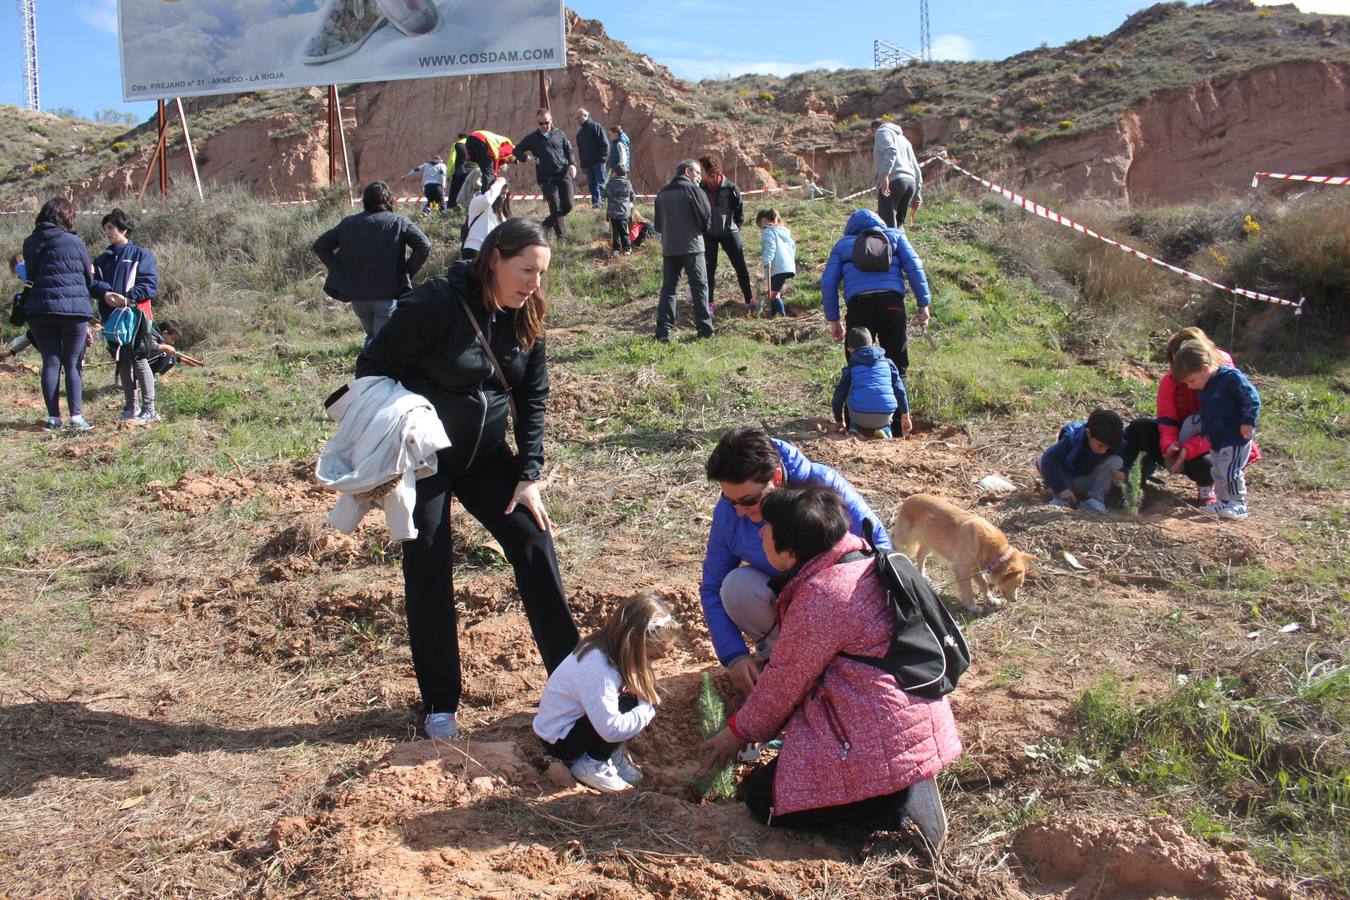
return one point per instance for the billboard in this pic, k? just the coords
(183, 48)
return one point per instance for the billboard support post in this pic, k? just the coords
(161, 151)
(543, 90)
(156, 160)
(332, 134)
(192, 154)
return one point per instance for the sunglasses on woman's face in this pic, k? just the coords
(747, 502)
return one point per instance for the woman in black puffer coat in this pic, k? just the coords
(431, 348)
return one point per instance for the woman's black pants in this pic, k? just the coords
(429, 600)
(1141, 437)
(731, 243)
(759, 798)
(583, 738)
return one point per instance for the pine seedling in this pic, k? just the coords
(712, 718)
(1134, 487)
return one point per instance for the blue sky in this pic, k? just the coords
(77, 43)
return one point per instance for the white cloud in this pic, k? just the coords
(1325, 7)
(953, 47)
(698, 69)
(102, 14)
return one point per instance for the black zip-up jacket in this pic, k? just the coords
(553, 150)
(682, 217)
(727, 208)
(430, 348)
(365, 256)
(592, 143)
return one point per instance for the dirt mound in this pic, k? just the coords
(1134, 857)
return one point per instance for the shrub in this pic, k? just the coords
(119, 146)
(766, 96)
(1066, 123)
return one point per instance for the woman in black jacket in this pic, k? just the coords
(431, 348)
(724, 229)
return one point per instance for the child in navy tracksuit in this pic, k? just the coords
(1086, 460)
(871, 387)
(1229, 408)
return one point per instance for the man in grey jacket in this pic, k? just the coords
(899, 178)
(367, 260)
(682, 216)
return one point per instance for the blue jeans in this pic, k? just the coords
(595, 179)
(374, 314)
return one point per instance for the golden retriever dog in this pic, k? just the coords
(978, 552)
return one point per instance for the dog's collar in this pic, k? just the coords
(1001, 561)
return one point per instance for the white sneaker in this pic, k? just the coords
(441, 726)
(343, 27)
(412, 17)
(923, 807)
(1092, 505)
(1060, 502)
(1231, 509)
(624, 766)
(599, 774)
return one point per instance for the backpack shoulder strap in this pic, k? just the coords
(487, 348)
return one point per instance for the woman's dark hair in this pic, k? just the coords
(806, 520)
(59, 211)
(509, 239)
(119, 220)
(501, 207)
(744, 454)
(377, 197)
(711, 165)
(170, 325)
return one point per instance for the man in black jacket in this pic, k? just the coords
(367, 261)
(593, 148)
(555, 167)
(682, 216)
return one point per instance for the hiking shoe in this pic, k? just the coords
(149, 417)
(129, 415)
(345, 26)
(1060, 502)
(78, 423)
(52, 424)
(1092, 505)
(1231, 509)
(923, 807)
(624, 766)
(1205, 496)
(599, 774)
(440, 726)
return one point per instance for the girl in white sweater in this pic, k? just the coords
(604, 694)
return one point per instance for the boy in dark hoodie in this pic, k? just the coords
(618, 208)
(1086, 461)
(872, 389)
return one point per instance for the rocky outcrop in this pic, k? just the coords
(1289, 117)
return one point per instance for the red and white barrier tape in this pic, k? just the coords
(1037, 209)
(1343, 180)
(870, 189)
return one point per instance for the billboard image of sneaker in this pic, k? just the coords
(412, 17)
(344, 26)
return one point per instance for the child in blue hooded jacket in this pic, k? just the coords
(1086, 461)
(1229, 409)
(872, 389)
(778, 253)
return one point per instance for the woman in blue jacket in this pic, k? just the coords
(125, 275)
(736, 592)
(57, 306)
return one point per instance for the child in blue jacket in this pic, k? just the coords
(1229, 408)
(871, 387)
(1086, 460)
(778, 253)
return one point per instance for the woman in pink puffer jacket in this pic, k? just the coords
(855, 744)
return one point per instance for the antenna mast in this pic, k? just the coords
(28, 21)
(925, 34)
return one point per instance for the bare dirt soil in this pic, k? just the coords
(242, 717)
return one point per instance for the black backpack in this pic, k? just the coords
(929, 653)
(872, 251)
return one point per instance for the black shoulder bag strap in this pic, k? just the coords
(496, 366)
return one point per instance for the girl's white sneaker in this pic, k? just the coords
(599, 774)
